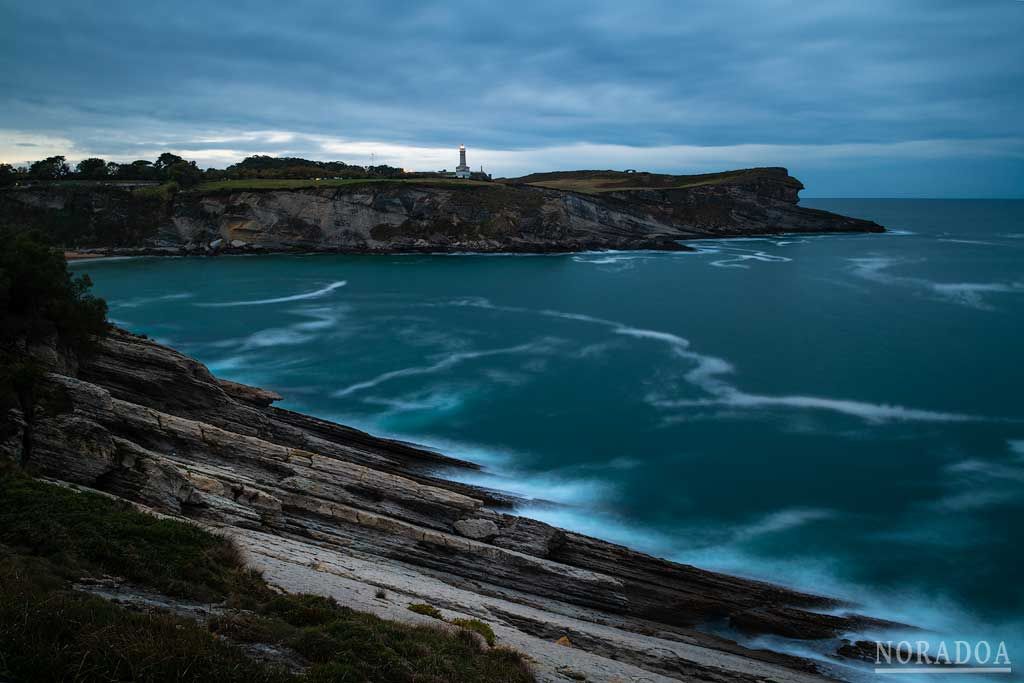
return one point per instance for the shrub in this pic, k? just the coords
(426, 610)
(51, 634)
(50, 535)
(39, 301)
(87, 532)
(477, 626)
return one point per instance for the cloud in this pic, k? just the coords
(535, 86)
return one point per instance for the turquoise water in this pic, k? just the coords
(838, 413)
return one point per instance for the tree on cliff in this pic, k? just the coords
(166, 160)
(92, 168)
(40, 303)
(8, 175)
(50, 168)
(185, 173)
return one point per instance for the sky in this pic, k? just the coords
(905, 98)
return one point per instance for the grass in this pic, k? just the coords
(50, 536)
(163, 191)
(87, 533)
(247, 184)
(477, 626)
(48, 633)
(596, 182)
(426, 610)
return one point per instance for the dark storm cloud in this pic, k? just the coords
(223, 79)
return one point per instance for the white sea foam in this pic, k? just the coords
(543, 488)
(321, 318)
(871, 412)
(276, 336)
(142, 301)
(739, 260)
(977, 242)
(445, 363)
(440, 402)
(595, 523)
(708, 371)
(979, 483)
(972, 500)
(875, 268)
(227, 364)
(779, 521)
(278, 300)
(624, 260)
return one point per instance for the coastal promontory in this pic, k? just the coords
(543, 212)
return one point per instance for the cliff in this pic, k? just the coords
(581, 210)
(326, 509)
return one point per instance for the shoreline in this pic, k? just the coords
(324, 508)
(678, 246)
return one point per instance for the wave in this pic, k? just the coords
(321, 318)
(142, 301)
(708, 371)
(624, 260)
(782, 520)
(739, 260)
(870, 412)
(275, 336)
(977, 242)
(283, 299)
(874, 268)
(445, 363)
(435, 402)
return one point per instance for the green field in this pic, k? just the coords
(287, 184)
(596, 182)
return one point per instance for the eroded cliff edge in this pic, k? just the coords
(327, 509)
(544, 213)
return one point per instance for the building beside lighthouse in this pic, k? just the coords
(462, 170)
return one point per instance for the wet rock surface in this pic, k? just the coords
(324, 508)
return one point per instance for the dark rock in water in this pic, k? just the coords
(559, 212)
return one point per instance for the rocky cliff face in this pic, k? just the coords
(426, 216)
(327, 509)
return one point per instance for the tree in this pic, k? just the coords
(185, 173)
(8, 176)
(166, 160)
(92, 168)
(40, 301)
(50, 168)
(138, 170)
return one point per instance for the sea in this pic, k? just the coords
(843, 414)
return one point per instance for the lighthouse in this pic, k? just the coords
(462, 170)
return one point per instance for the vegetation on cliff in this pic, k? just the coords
(52, 537)
(170, 167)
(40, 304)
(596, 182)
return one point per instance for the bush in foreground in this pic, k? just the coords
(50, 535)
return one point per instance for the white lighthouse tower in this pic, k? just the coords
(462, 170)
